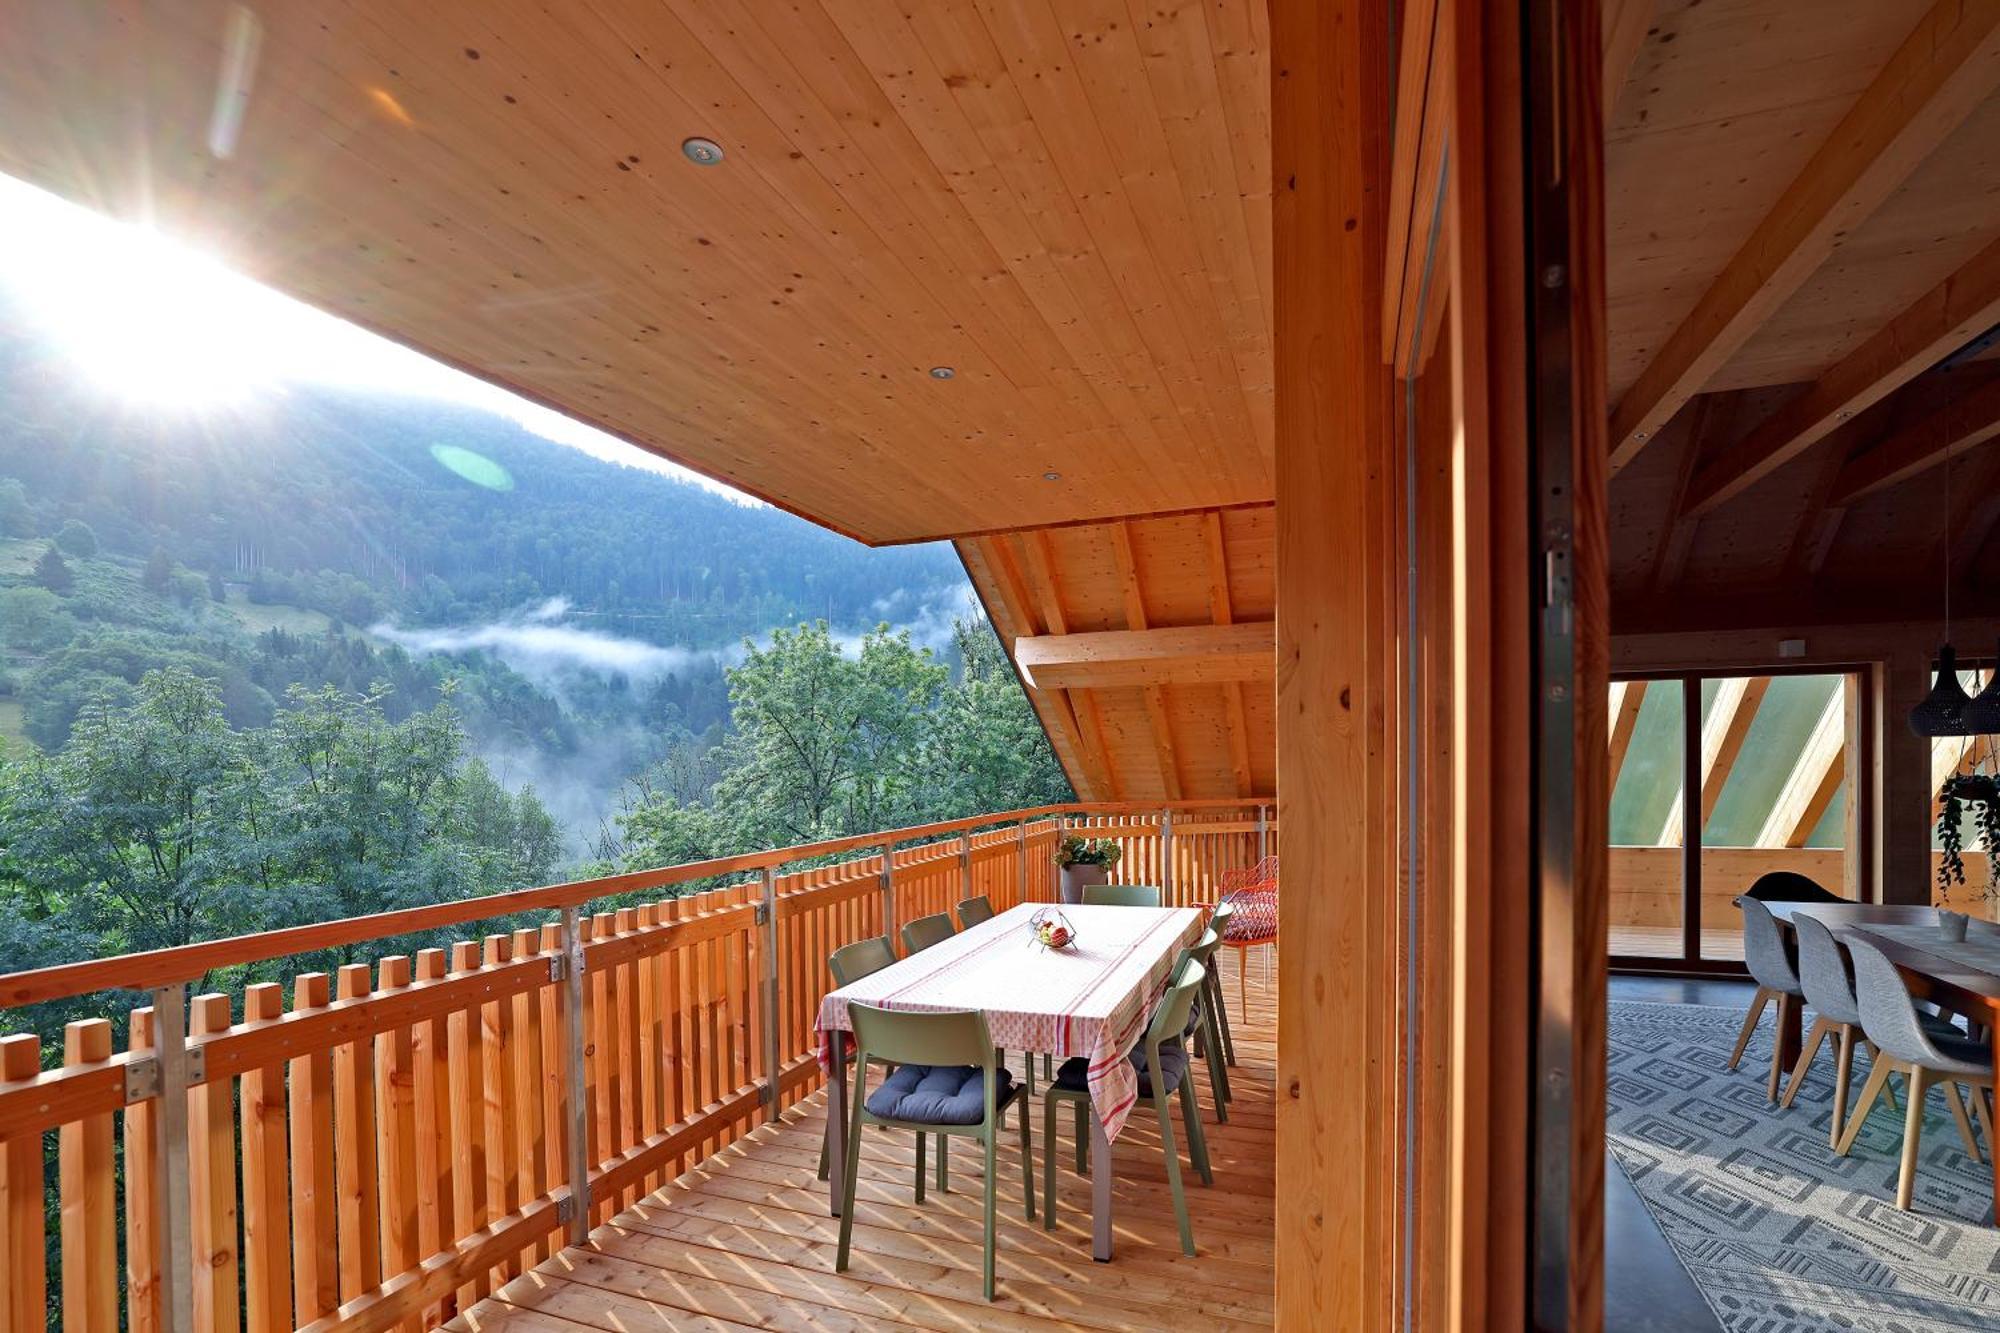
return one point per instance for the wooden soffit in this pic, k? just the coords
(1069, 209)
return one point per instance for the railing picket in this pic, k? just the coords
(143, 1312)
(22, 1220)
(430, 1048)
(647, 1073)
(396, 1126)
(267, 1213)
(532, 1146)
(315, 1273)
(468, 1118)
(625, 1008)
(496, 1040)
(354, 1138)
(88, 1188)
(212, 1182)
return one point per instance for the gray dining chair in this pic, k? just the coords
(973, 910)
(925, 931)
(1925, 1057)
(1774, 886)
(1770, 963)
(1830, 991)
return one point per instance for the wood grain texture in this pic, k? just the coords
(1329, 140)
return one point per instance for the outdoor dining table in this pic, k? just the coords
(1091, 999)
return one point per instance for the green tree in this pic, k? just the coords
(990, 752)
(52, 572)
(33, 620)
(77, 539)
(159, 568)
(17, 516)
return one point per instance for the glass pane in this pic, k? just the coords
(1645, 780)
(1774, 777)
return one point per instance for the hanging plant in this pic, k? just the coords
(1982, 792)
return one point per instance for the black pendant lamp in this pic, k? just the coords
(1946, 710)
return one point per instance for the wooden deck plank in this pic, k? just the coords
(745, 1241)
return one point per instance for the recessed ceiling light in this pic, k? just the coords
(1052, 476)
(942, 372)
(702, 152)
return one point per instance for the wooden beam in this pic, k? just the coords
(1625, 24)
(1815, 776)
(1945, 68)
(1970, 419)
(1938, 323)
(1677, 541)
(1222, 613)
(1139, 658)
(1723, 730)
(1627, 697)
(1330, 64)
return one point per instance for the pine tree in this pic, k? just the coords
(53, 573)
(159, 568)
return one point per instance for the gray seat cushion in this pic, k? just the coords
(936, 1094)
(1173, 1058)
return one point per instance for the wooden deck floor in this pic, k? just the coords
(745, 1241)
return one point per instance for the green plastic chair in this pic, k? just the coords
(850, 963)
(972, 911)
(889, 1036)
(925, 931)
(1121, 895)
(1160, 1040)
(1201, 952)
(1218, 921)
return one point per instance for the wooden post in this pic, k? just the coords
(1263, 834)
(576, 1136)
(965, 865)
(1167, 857)
(773, 1083)
(24, 1298)
(170, 1160)
(1023, 857)
(889, 893)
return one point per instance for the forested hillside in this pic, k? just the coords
(320, 651)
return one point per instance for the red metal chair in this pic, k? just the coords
(1253, 893)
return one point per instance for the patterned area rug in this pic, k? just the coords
(1779, 1234)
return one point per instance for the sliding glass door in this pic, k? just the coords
(1717, 781)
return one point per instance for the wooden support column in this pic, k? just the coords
(1902, 782)
(1335, 1153)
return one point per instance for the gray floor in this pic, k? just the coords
(1645, 1288)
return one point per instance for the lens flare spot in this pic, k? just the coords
(475, 468)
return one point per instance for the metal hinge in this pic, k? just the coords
(761, 914)
(766, 1094)
(558, 967)
(566, 1208)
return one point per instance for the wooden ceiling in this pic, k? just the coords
(1068, 204)
(1803, 218)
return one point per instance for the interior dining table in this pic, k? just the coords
(1962, 976)
(1092, 999)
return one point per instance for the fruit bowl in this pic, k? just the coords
(1051, 929)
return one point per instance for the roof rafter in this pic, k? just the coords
(1931, 328)
(1723, 731)
(1156, 698)
(1815, 776)
(1627, 697)
(1222, 613)
(1968, 420)
(1943, 69)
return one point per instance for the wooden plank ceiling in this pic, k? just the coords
(1067, 204)
(1803, 221)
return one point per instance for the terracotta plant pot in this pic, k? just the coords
(1074, 878)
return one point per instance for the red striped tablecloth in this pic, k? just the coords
(1093, 999)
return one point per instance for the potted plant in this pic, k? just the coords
(1981, 791)
(1085, 861)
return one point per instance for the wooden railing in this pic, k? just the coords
(385, 1145)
